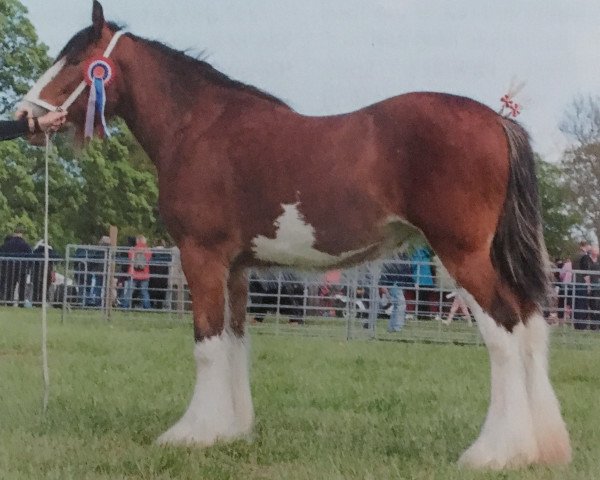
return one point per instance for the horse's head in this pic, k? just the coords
(62, 86)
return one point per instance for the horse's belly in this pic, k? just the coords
(294, 244)
(304, 255)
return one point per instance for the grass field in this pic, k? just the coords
(325, 408)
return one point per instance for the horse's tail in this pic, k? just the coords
(518, 251)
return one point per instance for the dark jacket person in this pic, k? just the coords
(49, 122)
(14, 267)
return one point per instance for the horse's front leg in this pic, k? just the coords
(211, 412)
(240, 372)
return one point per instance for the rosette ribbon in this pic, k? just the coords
(99, 72)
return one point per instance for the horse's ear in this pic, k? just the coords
(97, 19)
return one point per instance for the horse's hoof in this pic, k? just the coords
(184, 438)
(195, 434)
(555, 447)
(497, 455)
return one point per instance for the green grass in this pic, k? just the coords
(325, 408)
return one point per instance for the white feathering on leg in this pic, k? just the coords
(210, 415)
(507, 438)
(549, 427)
(240, 381)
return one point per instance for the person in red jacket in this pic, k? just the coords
(139, 272)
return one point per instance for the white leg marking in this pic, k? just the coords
(210, 415)
(549, 427)
(507, 438)
(240, 381)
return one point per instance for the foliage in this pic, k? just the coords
(581, 120)
(581, 162)
(89, 191)
(22, 57)
(113, 190)
(560, 219)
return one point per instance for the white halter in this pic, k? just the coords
(80, 88)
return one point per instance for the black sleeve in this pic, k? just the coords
(585, 263)
(13, 129)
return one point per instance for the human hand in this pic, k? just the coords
(52, 121)
(23, 113)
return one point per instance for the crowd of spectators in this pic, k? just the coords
(22, 266)
(405, 285)
(140, 278)
(414, 284)
(577, 285)
(140, 274)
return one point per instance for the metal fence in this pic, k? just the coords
(390, 300)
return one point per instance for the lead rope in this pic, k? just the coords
(45, 369)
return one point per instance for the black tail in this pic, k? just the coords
(518, 250)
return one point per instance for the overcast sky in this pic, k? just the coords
(331, 56)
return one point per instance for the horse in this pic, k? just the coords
(246, 181)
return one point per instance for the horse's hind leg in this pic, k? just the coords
(507, 438)
(211, 414)
(523, 424)
(549, 427)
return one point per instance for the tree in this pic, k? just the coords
(22, 192)
(581, 120)
(560, 219)
(22, 56)
(114, 191)
(581, 162)
(581, 167)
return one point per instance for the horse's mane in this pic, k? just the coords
(194, 64)
(186, 65)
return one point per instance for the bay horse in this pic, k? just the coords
(246, 181)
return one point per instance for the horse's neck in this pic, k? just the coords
(156, 119)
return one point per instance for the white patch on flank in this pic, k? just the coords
(36, 90)
(210, 415)
(293, 244)
(507, 437)
(398, 232)
(548, 425)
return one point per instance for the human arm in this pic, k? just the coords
(13, 129)
(50, 122)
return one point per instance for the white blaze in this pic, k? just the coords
(34, 94)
